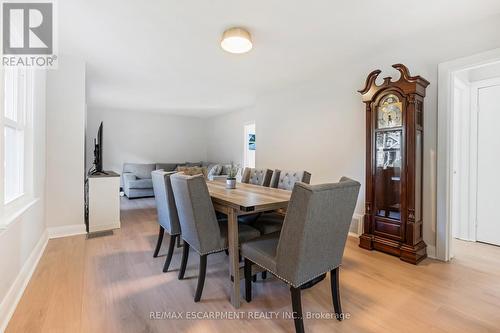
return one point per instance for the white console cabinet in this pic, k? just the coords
(103, 202)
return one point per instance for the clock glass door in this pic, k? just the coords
(388, 143)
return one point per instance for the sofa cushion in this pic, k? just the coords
(141, 183)
(140, 170)
(166, 166)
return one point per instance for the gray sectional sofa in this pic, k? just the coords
(136, 177)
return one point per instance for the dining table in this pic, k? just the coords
(243, 200)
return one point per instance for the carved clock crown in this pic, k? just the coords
(409, 84)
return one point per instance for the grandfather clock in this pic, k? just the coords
(394, 143)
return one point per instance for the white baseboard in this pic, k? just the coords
(13, 296)
(360, 218)
(67, 230)
(431, 251)
(356, 228)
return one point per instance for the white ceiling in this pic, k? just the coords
(164, 55)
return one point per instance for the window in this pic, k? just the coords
(18, 92)
(250, 146)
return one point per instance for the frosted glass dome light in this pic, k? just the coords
(236, 40)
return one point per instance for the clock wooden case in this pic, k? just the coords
(394, 144)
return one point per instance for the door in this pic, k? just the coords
(488, 175)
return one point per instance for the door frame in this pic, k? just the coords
(461, 202)
(446, 74)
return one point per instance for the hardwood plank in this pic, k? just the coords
(116, 283)
(55, 289)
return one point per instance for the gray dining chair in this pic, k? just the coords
(286, 179)
(271, 222)
(310, 244)
(166, 211)
(261, 177)
(255, 176)
(200, 228)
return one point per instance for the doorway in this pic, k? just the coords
(250, 145)
(476, 115)
(468, 119)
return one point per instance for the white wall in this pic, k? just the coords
(145, 137)
(319, 125)
(23, 240)
(311, 127)
(65, 144)
(58, 170)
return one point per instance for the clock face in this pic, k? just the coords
(389, 112)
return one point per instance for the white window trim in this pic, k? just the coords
(17, 126)
(2, 153)
(15, 207)
(20, 125)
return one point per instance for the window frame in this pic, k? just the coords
(23, 123)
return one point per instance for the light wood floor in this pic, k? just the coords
(112, 283)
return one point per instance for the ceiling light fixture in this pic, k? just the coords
(236, 40)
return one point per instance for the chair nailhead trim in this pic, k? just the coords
(274, 273)
(293, 285)
(214, 251)
(332, 267)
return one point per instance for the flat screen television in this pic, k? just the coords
(98, 152)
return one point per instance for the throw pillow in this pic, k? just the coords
(192, 171)
(214, 170)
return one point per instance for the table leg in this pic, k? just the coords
(234, 263)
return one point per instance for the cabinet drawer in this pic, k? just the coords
(388, 229)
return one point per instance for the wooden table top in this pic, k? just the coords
(248, 197)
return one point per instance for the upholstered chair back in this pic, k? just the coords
(285, 179)
(315, 230)
(199, 224)
(255, 176)
(165, 202)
